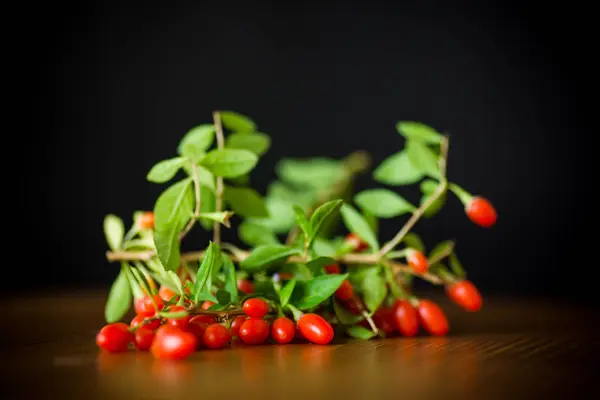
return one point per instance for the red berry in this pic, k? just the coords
(256, 308)
(146, 220)
(254, 331)
(352, 307)
(384, 320)
(197, 329)
(165, 293)
(178, 322)
(432, 318)
(173, 343)
(139, 320)
(417, 261)
(203, 319)
(465, 294)
(315, 329)
(245, 286)
(333, 269)
(406, 318)
(114, 337)
(356, 242)
(144, 306)
(216, 336)
(207, 304)
(235, 325)
(345, 291)
(481, 212)
(283, 330)
(143, 338)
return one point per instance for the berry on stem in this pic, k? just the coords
(315, 329)
(283, 330)
(235, 325)
(139, 320)
(203, 319)
(245, 286)
(417, 261)
(384, 320)
(356, 242)
(216, 336)
(256, 308)
(254, 331)
(345, 292)
(406, 318)
(143, 338)
(432, 318)
(114, 338)
(465, 294)
(145, 307)
(333, 269)
(146, 220)
(171, 343)
(178, 322)
(480, 211)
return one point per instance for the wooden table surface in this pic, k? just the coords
(511, 349)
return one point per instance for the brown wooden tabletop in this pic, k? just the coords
(511, 349)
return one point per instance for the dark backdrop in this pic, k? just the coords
(116, 87)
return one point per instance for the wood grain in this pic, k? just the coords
(511, 349)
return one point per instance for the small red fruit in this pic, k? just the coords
(254, 331)
(256, 308)
(384, 320)
(173, 343)
(144, 306)
(146, 220)
(165, 293)
(283, 330)
(139, 320)
(333, 269)
(406, 318)
(432, 318)
(345, 292)
(197, 329)
(245, 286)
(235, 325)
(207, 304)
(356, 242)
(315, 329)
(465, 294)
(481, 212)
(143, 338)
(216, 336)
(178, 322)
(114, 337)
(417, 261)
(203, 319)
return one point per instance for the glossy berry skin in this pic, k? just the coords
(143, 338)
(203, 319)
(315, 329)
(333, 269)
(114, 338)
(181, 323)
(171, 343)
(345, 292)
(139, 320)
(432, 318)
(481, 212)
(235, 325)
(245, 286)
(283, 330)
(384, 320)
(207, 304)
(146, 220)
(197, 329)
(406, 318)
(254, 331)
(417, 261)
(144, 306)
(465, 294)
(357, 243)
(256, 308)
(216, 336)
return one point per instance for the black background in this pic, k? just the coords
(116, 86)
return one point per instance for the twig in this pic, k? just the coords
(194, 218)
(219, 194)
(418, 213)
(399, 268)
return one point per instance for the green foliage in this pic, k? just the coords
(256, 235)
(114, 229)
(119, 298)
(357, 224)
(321, 217)
(397, 170)
(246, 202)
(418, 132)
(423, 158)
(286, 292)
(199, 138)
(165, 170)
(265, 256)
(317, 290)
(360, 332)
(212, 260)
(257, 142)
(229, 163)
(383, 203)
(237, 122)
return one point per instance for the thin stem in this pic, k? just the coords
(399, 268)
(418, 213)
(194, 218)
(219, 194)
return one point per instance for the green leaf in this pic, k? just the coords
(237, 122)
(286, 292)
(418, 132)
(383, 203)
(344, 315)
(281, 216)
(301, 220)
(374, 289)
(303, 197)
(397, 170)
(257, 142)
(446, 245)
(114, 230)
(358, 225)
(255, 235)
(413, 240)
(176, 282)
(166, 242)
(205, 177)
(229, 163)
(212, 259)
(360, 332)
(323, 248)
(246, 202)
(221, 217)
(316, 266)
(174, 205)
(319, 289)
(223, 297)
(423, 158)
(265, 256)
(193, 153)
(456, 266)
(200, 137)
(435, 207)
(316, 172)
(174, 314)
(230, 278)
(165, 170)
(119, 298)
(322, 216)
(428, 186)
(208, 204)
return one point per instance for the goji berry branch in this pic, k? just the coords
(219, 194)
